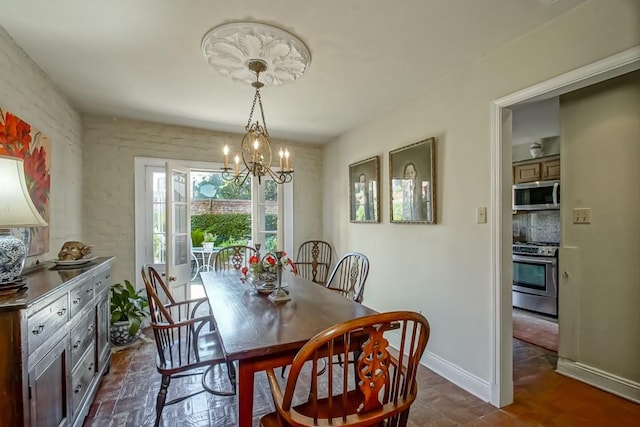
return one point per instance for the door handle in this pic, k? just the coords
(172, 278)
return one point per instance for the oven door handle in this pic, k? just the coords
(556, 187)
(535, 259)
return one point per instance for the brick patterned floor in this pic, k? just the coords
(127, 395)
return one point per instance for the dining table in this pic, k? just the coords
(258, 334)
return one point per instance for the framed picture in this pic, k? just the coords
(19, 139)
(412, 183)
(364, 179)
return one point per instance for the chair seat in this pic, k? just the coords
(354, 399)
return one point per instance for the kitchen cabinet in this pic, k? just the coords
(544, 169)
(55, 345)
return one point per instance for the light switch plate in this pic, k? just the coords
(481, 215)
(582, 215)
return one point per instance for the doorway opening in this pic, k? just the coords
(501, 150)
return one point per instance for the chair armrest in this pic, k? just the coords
(198, 302)
(182, 323)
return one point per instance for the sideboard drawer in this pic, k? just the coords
(82, 335)
(81, 378)
(45, 322)
(80, 296)
(102, 282)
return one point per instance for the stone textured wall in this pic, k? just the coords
(110, 148)
(199, 207)
(26, 91)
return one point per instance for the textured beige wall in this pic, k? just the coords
(600, 171)
(28, 92)
(110, 148)
(444, 270)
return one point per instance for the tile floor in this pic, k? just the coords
(542, 398)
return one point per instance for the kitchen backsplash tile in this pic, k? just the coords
(538, 226)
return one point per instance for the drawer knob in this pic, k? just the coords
(39, 329)
(77, 344)
(90, 329)
(77, 300)
(62, 311)
(89, 290)
(78, 388)
(99, 283)
(90, 367)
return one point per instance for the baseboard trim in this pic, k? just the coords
(453, 373)
(463, 379)
(600, 379)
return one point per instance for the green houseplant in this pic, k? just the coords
(127, 311)
(209, 240)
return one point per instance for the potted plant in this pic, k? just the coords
(127, 311)
(208, 241)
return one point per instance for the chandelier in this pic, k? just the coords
(255, 148)
(245, 51)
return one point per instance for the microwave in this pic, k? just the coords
(534, 196)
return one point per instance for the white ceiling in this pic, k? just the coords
(141, 59)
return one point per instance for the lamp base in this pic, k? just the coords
(13, 253)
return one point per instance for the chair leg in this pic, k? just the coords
(231, 371)
(282, 372)
(162, 397)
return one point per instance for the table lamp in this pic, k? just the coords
(16, 210)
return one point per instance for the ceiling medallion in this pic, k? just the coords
(229, 48)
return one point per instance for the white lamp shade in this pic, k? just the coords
(16, 207)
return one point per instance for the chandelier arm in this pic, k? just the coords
(280, 177)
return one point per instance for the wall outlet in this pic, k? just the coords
(481, 215)
(582, 215)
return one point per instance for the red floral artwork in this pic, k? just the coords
(19, 139)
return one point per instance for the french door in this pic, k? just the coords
(163, 217)
(178, 228)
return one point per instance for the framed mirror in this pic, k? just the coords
(412, 183)
(364, 178)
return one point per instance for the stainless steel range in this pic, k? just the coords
(535, 277)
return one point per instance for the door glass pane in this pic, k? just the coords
(159, 217)
(159, 187)
(179, 187)
(180, 250)
(180, 217)
(159, 248)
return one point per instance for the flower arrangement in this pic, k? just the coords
(268, 265)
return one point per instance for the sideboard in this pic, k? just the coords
(54, 345)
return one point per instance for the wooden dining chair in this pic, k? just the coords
(187, 342)
(233, 257)
(385, 385)
(349, 276)
(314, 260)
